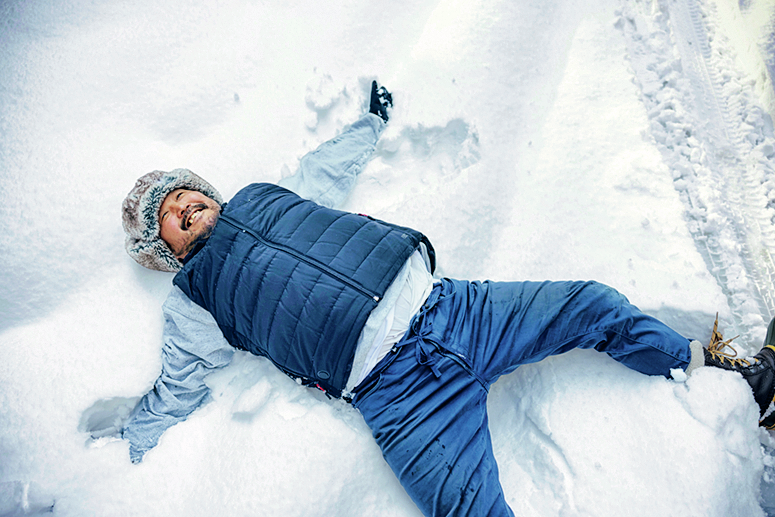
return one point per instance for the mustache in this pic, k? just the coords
(191, 210)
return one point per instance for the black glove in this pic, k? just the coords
(381, 100)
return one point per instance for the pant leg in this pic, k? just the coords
(433, 433)
(496, 326)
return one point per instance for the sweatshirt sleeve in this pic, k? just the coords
(327, 174)
(193, 348)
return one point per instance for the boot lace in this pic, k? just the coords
(721, 350)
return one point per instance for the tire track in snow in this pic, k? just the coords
(738, 194)
(718, 145)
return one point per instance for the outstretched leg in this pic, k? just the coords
(432, 429)
(498, 326)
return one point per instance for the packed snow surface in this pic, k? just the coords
(628, 142)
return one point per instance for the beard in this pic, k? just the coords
(204, 231)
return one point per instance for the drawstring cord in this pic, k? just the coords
(423, 351)
(421, 329)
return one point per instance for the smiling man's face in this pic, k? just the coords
(184, 216)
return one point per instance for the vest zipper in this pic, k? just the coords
(301, 258)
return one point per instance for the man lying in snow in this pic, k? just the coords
(348, 304)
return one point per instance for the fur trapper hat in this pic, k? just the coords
(140, 215)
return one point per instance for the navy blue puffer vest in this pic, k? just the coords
(294, 281)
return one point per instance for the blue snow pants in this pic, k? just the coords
(425, 402)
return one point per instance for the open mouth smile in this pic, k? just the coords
(191, 215)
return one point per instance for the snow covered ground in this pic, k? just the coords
(627, 141)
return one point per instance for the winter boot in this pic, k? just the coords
(758, 371)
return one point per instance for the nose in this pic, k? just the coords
(179, 208)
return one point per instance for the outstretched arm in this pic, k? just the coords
(194, 346)
(327, 174)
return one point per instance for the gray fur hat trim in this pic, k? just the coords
(140, 215)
